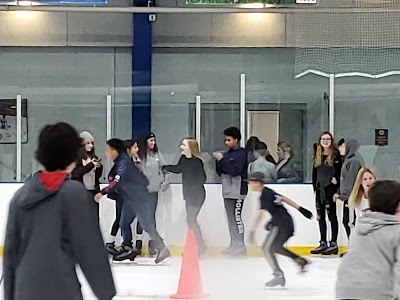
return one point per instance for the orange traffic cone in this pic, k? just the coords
(190, 286)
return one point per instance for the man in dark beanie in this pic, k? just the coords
(49, 231)
(131, 185)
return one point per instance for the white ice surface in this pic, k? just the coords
(225, 279)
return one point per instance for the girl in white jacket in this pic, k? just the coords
(358, 200)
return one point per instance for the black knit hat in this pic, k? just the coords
(117, 144)
(150, 135)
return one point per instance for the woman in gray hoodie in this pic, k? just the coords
(151, 166)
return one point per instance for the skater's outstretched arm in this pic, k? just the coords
(256, 223)
(176, 169)
(305, 212)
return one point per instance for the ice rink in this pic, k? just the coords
(225, 278)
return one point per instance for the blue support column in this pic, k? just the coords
(141, 71)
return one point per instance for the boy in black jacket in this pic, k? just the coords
(232, 167)
(49, 231)
(280, 227)
(131, 184)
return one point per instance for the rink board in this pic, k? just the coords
(172, 225)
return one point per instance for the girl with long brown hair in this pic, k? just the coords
(327, 164)
(191, 167)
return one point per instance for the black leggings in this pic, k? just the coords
(327, 207)
(192, 212)
(234, 209)
(273, 244)
(118, 210)
(95, 206)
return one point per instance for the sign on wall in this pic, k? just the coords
(8, 121)
(381, 137)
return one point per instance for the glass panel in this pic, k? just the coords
(289, 110)
(85, 109)
(363, 105)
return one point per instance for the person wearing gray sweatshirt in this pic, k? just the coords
(352, 163)
(371, 268)
(261, 164)
(151, 166)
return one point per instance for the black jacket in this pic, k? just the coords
(125, 178)
(48, 233)
(193, 177)
(80, 170)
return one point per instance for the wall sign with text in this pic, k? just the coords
(381, 137)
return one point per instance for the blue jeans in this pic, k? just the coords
(139, 207)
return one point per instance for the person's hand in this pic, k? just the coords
(336, 198)
(305, 212)
(351, 225)
(218, 155)
(98, 197)
(280, 180)
(334, 181)
(96, 163)
(252, 237)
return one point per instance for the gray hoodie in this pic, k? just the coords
(352, 163)
(371, 268)
(49, 232)
(152, 168)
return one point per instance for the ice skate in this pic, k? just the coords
(152, 249)
(235, 251)
(303, 264)
(128, 253)
(322, 247)
(163, 255)
(112, 250)
(278, 279)
(331, 250)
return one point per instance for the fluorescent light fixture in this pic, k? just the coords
(252, 5)
(24, 3)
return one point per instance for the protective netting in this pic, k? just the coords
(349, 36)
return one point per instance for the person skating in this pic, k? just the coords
(152, 162)
(131, 147)
(50, 232)
(280, 227)
(191, 167)
(132, 185)
(232, 168)
(327, 164)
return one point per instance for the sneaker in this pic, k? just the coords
(278, 279)
(163, 255)
(127, 254)
(333, 249)
(226, 251)
(322, 247)
(112, 250)
(303, 263)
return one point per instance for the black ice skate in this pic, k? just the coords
(321, 248)
(278, 279)
(139, 244)
(127, 254)
(163, 255)
(112, 250)
(333, 249)
(303, 263)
